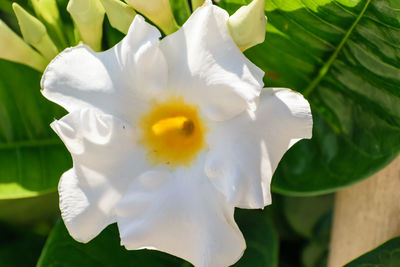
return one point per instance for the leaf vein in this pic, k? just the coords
(321, 74)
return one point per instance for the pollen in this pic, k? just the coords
(172, 133)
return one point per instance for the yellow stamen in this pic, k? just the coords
(172, 133)
(180, 124)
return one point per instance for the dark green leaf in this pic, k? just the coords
(181, 10)
(5, 6)
(28, 211)
(344, 57)
(315, 254)
(304, 213)
(105, 249)
(386, 255)
(111, 36)
(19, 247)
(261, 239)
(32, 158)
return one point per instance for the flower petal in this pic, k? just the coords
(115, 81)
(207, 68)
(245, 151)
(103, 150)
(181, 214)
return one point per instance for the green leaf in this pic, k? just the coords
(28, 211)
(111, 36)
(315, 254)
(181, 10)
(5, 6)
(304, 213)
(19, 247)
(105, 249)
(261, 239)
(344, 57)
(388, 254)
(32, 158)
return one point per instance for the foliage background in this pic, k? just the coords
(343, 55)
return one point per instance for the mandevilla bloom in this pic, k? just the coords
(168, 137)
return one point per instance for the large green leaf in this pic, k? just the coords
(386, 255)
(343, 55)
(105, 249)
(32, 158)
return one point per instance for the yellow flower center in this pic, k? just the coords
(173, 133)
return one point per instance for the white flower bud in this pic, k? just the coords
(88, 16)
(158, 11)
(47, 11)
(248, 24)
(119, 14)
(34, 32)
(13, 48)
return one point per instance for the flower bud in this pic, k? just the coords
(158, 11)
(248, 24)
(34, 32)
(13, 48)
(119, 14)
(88, 16)
(47, 11)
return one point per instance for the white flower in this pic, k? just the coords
(167, 137)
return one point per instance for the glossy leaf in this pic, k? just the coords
(105, 249)
(32, 158)
(344, 57)
(387, 254)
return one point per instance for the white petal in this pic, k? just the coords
(115, 81)
(181, 214)
(207, 68)
(105, 159)
(245, 151)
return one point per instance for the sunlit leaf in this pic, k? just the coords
(344, 57)
(32, 158)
